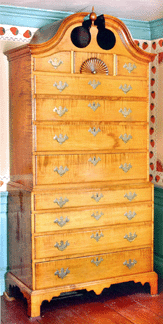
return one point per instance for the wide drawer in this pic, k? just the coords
(93, 240)
(63, 199)
(73, 136)
(85, 218)
(93, 86)
(96, 267)
(55, 169)
(88, 110)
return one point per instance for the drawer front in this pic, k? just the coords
(102, 216)
(64, 199)
(58, 62)
(81, 57)
(48, 274)
(60, 169)
(93, 86)
(128, 67)
(90, 136)
(88, 110)
(93, 240)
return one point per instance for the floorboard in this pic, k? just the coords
(120, 304)
(153, 304)
(100, 314)
(59, 312)
(132, 310)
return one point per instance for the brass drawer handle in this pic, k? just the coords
(60, 86)
(97, 197)
(131, 237)
(62, 274)
(62, 246)
(61, 222)
(97, 215)
(125, 112)
(97, 261)
(93, 131)
(60, 111)
(130, 196)
(130, 215)
(61, 171)
(125, 88)
(60, 139)
(130, 67)
(125, 167)
(125, 138)
(94, 161)
(130, 264)
(94, 84)
(94, 106)
(97, 236)
(61, 202)
(55, 63)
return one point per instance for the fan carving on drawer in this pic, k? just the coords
(94, 65)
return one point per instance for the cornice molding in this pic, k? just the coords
(29, 17)
(36, 18)
(156, 27)
(138, 29)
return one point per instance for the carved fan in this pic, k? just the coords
(94, 65)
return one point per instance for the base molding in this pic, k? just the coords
(36, 297)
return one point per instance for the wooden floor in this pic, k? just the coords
(123, 303)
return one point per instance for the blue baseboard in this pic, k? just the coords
(158, 230)
(3, 236)
(158, 265)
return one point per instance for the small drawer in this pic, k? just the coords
(82, 168)
(95, 239)
(74, 136)
(93, 86)
(64, 199)
(58, 62)
(95, 267)
(102, 216)
(128, 67)
(87, 110)
(102, 63)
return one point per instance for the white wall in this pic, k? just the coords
(4, 107)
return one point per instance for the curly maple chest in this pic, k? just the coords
(80, 204)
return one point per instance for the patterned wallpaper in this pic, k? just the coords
(155, 165)
(16, 33)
